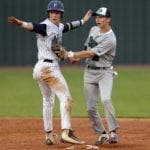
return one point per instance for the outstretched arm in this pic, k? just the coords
(87, 16)
(78, 23)
(81, 54)
(74, 56)
(22, 24)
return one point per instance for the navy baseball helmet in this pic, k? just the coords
(55, 5)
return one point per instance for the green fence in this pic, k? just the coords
(130, 21)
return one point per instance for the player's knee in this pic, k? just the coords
(106, 102)
(47, 102)
(92, 112)
(68, 105)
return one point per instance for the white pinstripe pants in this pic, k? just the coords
(51, 83)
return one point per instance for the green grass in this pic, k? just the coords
(131, 93)
(20, 94)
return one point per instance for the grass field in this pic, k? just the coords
(20, 95)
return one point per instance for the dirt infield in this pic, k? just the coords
(28, 134)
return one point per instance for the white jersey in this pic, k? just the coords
(104, 46)
(44, 42)
(47, 72)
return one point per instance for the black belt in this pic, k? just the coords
(48, 60)
(97, 68)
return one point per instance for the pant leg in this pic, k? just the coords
(48, 105)
(65, 103)
(55, 80)
(91, 95)
(105, 85)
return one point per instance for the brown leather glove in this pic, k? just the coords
(58, 49)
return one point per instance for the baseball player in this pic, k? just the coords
(47, 71)
(98, 76)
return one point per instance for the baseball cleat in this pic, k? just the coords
(51, 138)
(67, 136)
(102, 138)
(113, 137)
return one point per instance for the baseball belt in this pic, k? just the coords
(97, 68)
(48, 60)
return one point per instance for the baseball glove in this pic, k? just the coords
(58, 49)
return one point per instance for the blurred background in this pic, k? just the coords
(130, 22)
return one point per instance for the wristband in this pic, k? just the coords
(25, 24)
(70, 54)
(82, 21)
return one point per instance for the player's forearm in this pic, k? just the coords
(73, 25)
(81, 54)
(78, 23)
(23, 24)
(27, 26)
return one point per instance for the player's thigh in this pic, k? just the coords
(105, 86)
(54, 79)
(91, 94)
(46, 92)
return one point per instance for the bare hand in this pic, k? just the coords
(87, 16)
(14, 20)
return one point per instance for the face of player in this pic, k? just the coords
(102, 22)
(55, 17)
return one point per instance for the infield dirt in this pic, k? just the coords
(28, 134)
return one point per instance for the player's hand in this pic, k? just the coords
(14, 20)
(87, 16)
